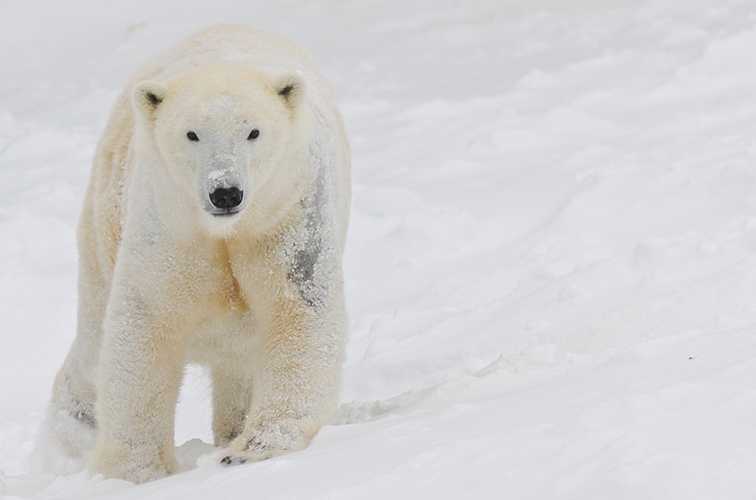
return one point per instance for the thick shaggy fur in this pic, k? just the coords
(257, 296)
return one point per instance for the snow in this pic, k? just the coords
(551, 266)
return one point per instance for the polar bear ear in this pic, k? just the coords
(147, 97)
(290, 88)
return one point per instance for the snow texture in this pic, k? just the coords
(551, 265)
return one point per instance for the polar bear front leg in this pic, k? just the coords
(297, 377)
(140, 374)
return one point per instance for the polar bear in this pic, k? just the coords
(212, 232)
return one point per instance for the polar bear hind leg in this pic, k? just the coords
(68, 433)
(232, 395)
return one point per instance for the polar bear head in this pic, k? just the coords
(226, 135)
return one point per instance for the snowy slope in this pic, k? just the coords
(551, 267)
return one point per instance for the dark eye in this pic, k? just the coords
(253, 135)
(192, 136)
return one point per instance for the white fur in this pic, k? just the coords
(257, 296)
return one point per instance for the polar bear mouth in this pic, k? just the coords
(224, 212)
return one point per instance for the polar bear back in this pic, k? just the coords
(238, 44)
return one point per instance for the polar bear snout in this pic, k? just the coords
(223, 190)
(226, 199)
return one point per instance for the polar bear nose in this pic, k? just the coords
(226, 198)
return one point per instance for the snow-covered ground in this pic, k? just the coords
(551, 267)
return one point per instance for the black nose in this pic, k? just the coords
(226, 198)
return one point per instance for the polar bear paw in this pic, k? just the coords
(265, 441)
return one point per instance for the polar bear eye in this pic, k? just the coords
(253, 135)
(192, 136)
